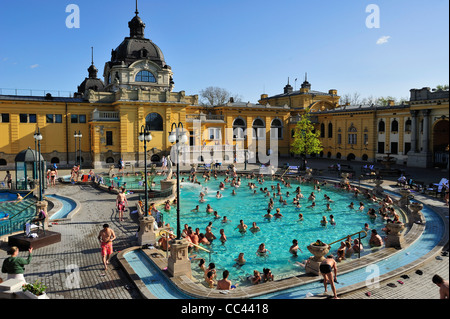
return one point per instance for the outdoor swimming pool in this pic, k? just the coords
(162, 288)
(276, 234)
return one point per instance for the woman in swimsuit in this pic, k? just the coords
(262, 250)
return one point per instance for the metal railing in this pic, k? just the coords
(359, 239)
(34, 92)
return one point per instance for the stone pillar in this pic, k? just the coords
(43, 205)
(171, 183)
(395, 236)
(416, 212)
(426, 133)
(378, 190)
(403, 202)
(312, 266)
(179, 263)
(146, 234)
(413, 132)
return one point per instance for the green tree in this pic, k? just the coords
(306, 139)
(441, 87)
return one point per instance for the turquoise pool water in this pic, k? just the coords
(68, 205)
(152, 277)
(276, 234)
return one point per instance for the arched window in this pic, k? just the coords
(145, 76)
(352, 136)
(110, 160)
(330, 130)
(259, 131)
(239, 129)
(276, 129)
(154, 121)
(322, 130)
(394, 126)
(381, 126)
(54, 160)
(408, 125)
(2, 162)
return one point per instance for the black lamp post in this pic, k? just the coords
(79, 136)
(176, 136)
(38, 138)
(145, 136)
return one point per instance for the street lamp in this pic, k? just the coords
(79, 136)
(145, 136)
(38, 138)
(178, 136)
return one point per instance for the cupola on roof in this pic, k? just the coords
(136, 46)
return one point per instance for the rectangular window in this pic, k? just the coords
(352, 139)
(339, 138)
(366, 139)
(109, 138)
(214, 133)
(407, 147)
(32, 118)
(54, 118)
(82, 118)
(394, 148)
(380, 147)
(4, 118)
(23, 118)
(73, 118)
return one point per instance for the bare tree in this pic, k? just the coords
(212, 96)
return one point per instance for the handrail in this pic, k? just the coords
(285, 172)
(361, 231)
(22, 210)
(26, 195)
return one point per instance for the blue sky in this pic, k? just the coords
(248, 47)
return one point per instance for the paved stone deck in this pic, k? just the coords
(72, 269)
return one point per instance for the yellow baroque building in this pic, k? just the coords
(137, 89)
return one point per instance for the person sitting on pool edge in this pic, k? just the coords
(225, 283)
(267, 275)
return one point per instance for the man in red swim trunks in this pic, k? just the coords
(106, 237)
(121, 201)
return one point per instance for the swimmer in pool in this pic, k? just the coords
(254, 228)
(324, 221)
(242, 227)
(195, 209)
(218, 195)
(278, 214)
(294, 248)
(262, 250)
(223, 237)
(216, 215)
(300, 217)
(268, 215)
(240, 261)
(209, 209)
(225, 220)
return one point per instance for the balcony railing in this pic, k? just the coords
(204, 117)
(107, 116)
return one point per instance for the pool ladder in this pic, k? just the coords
(359, 239)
